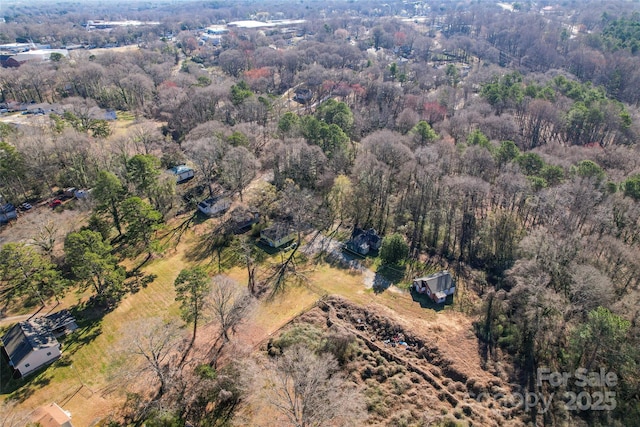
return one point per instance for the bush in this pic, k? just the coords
(394, 249)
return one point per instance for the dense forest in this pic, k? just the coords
(498, 140)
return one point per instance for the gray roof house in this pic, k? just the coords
(437, 286)
(32, 344)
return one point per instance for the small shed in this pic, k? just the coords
(437, 286)
(183, 173)
(214, 206)
(277, 235)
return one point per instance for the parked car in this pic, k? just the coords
(55, 203)
(25, 206)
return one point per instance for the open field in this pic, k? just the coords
(85, 379)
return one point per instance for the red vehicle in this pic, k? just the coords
(55, 203)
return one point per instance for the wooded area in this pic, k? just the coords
(496, 140)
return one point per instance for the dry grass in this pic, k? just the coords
(88, 389)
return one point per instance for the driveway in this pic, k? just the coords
(332, 250)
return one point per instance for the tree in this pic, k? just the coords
(156, 341)
(230, 304)
(207, 153)
(239, 167)
(507, 152)
(90, 259)
(12, 172)
(530, 163)
(601, 339)
(109, 193)
(23, 271)
(308, 389)
(423, 133)
(141, 221)
(590, 170)
(143, 171)
(240, 92)
(394, 249)
(192, 287)
(289, 124)
(632, 187)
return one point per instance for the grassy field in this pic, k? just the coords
(83, 379)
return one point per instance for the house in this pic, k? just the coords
(364, 241)
(214, 205)
(437, 286)
(31, 344)
(303, 96)
(183, 173)
(242, 218)
(277, 235)
(7, 213)
(51, 415)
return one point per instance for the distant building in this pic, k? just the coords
(99, 24)
(437, 286)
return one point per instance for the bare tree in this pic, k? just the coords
(308, 389)
(230, 304)
(239, 167)
(156, 342)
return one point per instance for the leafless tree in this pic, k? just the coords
(239, 167)
(309, 390)
(157, 344)
(230, 304)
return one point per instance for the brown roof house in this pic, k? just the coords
(51, 415)
(437, 286)
(32, 344)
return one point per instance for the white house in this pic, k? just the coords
(437, 286)
(182, 173)
(32, 344)
(214, 206)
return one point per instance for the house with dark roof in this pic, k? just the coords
(364, 241)
(242, 218)
(32, 344)
(437, 286)
(277, 235)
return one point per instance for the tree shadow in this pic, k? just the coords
(387, 275)
(20, 389)
(138, 280)
(89, 320)
(426, 301)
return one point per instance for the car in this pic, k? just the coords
(55, 203)
(26, 206)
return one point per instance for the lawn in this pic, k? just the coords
(83, 379)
